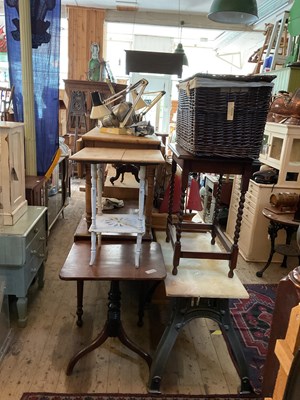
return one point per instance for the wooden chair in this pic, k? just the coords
(6, 96)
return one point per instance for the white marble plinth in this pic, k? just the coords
(197, 277)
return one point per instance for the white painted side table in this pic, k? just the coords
(116, 223)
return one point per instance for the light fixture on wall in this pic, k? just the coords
(234, 11)
(179, 49)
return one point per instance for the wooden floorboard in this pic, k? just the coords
(39, 353)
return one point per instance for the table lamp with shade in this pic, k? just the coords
(99, 109)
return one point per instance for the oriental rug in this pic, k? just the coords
(61, 396)
(252, 320)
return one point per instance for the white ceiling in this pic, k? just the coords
(194, 6)
(193, 13)
(185, 8)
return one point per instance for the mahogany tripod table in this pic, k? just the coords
(114, 263)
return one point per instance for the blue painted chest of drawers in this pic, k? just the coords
(23, 250)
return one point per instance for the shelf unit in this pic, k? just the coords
(286, 79)
(281, 150)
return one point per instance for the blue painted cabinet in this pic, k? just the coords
(23, 251)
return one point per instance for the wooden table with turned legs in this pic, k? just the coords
(205, 164)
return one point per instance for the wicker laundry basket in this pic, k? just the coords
(223, 115)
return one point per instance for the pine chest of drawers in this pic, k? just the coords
(22, 255)
(254, 243)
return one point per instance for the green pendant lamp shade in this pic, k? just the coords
(179, 50)
(234, 11)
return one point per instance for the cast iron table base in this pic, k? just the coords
(185, 310)
(287, 250)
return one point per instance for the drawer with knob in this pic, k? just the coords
(23, 251)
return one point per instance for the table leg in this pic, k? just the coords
(272, 231)
(88, 207)
(214, 209)
(235, 247)
(183, 312)
(150, 174)
(112, 328)
(94, 211)
(177, 245)
(289, 232)
(146, 292)
(22, 311)
(41, 276)
(171, 199)
(121, 169)
(79, 311)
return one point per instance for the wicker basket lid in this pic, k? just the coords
(212, 80)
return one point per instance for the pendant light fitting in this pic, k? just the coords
(234, 11)
(179, 49)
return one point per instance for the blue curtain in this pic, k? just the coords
(45, 27)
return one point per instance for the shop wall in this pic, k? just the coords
(85, 26)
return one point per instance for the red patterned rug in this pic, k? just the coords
(61, 396)
(252, 319)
